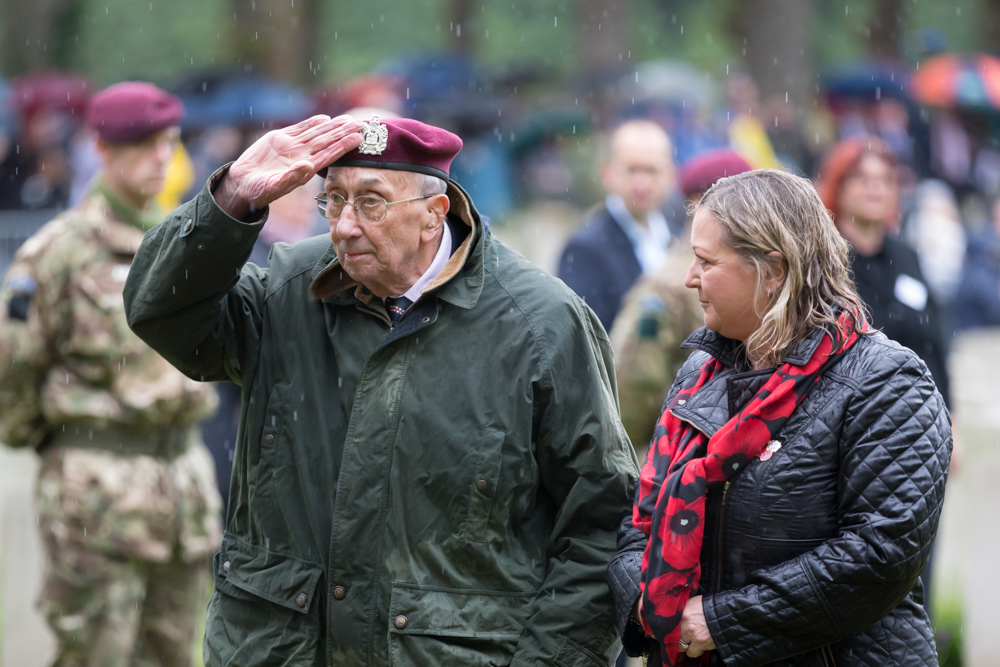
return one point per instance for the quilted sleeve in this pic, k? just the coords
(624, 577)
(895, 444)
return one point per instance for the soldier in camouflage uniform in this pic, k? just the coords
(126, 497)
(659, 312)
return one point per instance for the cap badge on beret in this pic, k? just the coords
(374, 136)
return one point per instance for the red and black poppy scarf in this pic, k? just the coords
(682, 462)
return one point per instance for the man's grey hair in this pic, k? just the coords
(429, 185)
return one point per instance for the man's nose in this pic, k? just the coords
(165, 151)
(348, 224)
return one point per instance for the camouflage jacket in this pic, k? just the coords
(657, 314)
(70, 365)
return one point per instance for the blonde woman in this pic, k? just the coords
(793, 489)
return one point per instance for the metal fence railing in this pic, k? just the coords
(16, 227)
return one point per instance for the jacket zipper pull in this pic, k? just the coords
(725, 490)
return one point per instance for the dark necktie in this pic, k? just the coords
(396, 307)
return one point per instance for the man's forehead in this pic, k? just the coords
(365, 177)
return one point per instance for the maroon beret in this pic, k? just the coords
(131, 111)
(405, 145)
(702, 171)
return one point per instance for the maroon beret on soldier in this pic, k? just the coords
(129, 112)
(702, 171)
(403, 144)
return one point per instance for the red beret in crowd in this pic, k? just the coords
(405, 145)
(130, 111)
(702, 171)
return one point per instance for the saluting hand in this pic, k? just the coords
(284, 159)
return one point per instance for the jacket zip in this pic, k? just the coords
(379, 314)
(722, 512)
(827, 654)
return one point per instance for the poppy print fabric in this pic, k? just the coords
(673, 483)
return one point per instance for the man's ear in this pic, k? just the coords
(439, 205)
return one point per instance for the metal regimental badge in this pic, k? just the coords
(373, 137)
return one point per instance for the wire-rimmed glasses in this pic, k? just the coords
(370, 208)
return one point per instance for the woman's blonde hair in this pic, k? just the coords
(768, 211)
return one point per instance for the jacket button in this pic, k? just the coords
(400, 622)
(225, 567)
(339, 592)
(481, 485)
(188, 226)
(269, 439)
(301, 600)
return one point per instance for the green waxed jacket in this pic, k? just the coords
(446, 492)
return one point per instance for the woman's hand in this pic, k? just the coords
(694, 629)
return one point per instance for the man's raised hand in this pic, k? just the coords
(284, 159)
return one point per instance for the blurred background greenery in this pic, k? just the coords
(308, 42)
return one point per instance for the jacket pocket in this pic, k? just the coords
(263, 610)
(273, 429)
(778, 550)
(432, 625)
(482, 486)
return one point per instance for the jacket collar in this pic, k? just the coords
(732, 353)
(142, 219)
(104, 220)
(715, 403)
(459, 283)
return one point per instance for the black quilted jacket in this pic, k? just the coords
(813, 557)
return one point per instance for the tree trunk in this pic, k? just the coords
(459, 17)
(28, 39)
(886, 28)
(775, 40)
(989, 25)
(602, 28)
(275, 37)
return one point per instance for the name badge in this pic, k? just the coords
(911, 292)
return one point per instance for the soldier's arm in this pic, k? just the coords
(32, 313)
(188, 294)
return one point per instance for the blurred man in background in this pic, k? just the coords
(126, 498)
(659, 312)
(628, 235)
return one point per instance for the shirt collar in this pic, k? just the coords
(144, 219)
(649, 241)
(440, 259)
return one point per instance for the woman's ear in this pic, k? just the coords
(777, 270)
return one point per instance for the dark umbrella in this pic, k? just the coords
(244, 101)
(867, 80)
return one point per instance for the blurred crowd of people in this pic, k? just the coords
(536, 157)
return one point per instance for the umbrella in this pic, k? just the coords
(243, 101)
(956, 81)
(670, 81)
(867, 80)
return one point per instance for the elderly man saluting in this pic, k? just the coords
(430, 466)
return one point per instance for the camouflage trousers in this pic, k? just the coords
(110, 613)
(127, 540)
